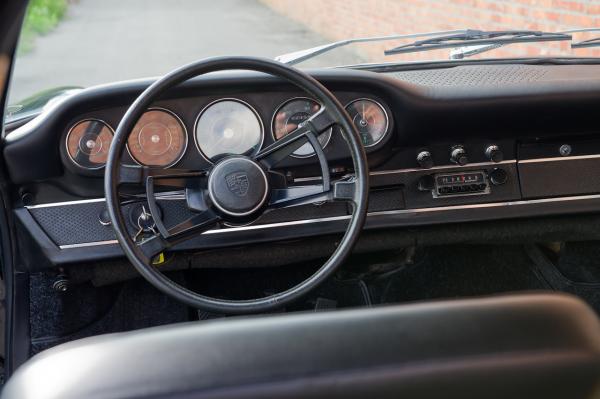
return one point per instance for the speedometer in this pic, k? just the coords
(289, 115)
(370, 120)
(157, 139)
(228, 127)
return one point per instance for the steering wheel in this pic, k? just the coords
(237, 188)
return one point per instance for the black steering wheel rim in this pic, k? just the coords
(299, 79)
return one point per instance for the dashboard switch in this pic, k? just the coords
(498, 176)
(494, 153)
(425, 160)
(426, 183)
(458, 155)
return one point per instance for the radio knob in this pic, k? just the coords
(425, 160)
(494, 153)
(458, 155)
(426, 183)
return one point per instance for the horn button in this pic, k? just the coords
(238, 186)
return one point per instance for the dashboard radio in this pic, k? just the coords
(456, 184)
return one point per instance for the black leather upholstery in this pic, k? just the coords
(529, 346)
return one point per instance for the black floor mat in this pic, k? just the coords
(580, 261)
(458, 271)
(258, 282)
(85, 310)
(431, 273)
(579, 279)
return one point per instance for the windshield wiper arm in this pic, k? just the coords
(594, 42)
(472, 38)
(466, 42)
(303, 55)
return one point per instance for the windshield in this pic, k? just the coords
(67, 44)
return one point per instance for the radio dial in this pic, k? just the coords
(494, 153)
(425, 160)
(458, 155)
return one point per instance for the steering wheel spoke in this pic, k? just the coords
(306, 131)
(176, 178)
(153, 246)
(299, 195)
(281, 149)
(341, 190)
(193, 226)
(179, 233)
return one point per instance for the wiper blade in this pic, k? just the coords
(465, 42)
(472, 38)
(303, 55)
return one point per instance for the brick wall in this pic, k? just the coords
(340, 19)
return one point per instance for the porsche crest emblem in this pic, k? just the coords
(238, 183)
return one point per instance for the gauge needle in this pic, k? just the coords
(363, 113)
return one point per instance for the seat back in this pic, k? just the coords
(529, 346)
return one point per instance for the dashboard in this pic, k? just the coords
(444, 145)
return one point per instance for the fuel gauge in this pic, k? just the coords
(370, 120)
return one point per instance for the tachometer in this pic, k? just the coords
(88, 142)
(370, 120)
(157, 139)
(228, 127)
(289, 115)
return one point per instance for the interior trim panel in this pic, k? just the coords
(451, 153)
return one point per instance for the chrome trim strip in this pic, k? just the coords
(162, 196)
(280, 224)
(174, 195)
(370, 214)
(443, 167)
(227, 230)
(488, 205)
(65, 203)
(305, 179)
(412, 170)
(168, 196)
(88, 244)
(555, 159)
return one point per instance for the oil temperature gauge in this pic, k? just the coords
(88, 142)
(370, 120)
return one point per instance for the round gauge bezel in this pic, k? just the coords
(185, 133)
(66, 142)
(385, 114)
(260, 122)
(283, 104)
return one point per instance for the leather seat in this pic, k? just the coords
(529, 346)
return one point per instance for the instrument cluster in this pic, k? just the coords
(226, 126)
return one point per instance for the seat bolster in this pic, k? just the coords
(527, 345)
